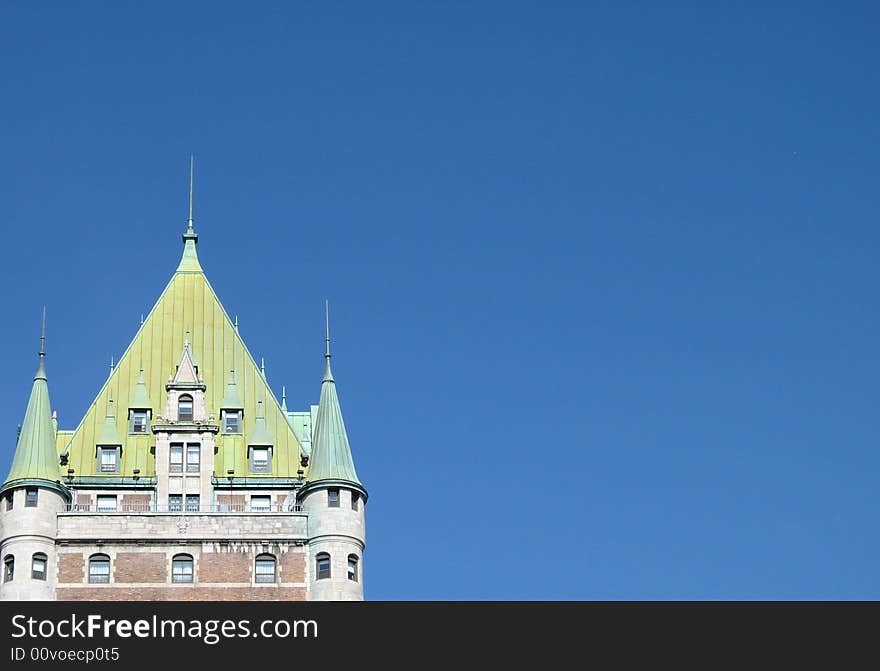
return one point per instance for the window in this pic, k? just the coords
(185, 408)
(261, 459)
(99, 569)
(231, 421)
(175, 503)
(182, 568)
(323, 562)
(192, 457)
(333, 498)
(176, 463)
(139, 420)
(8, 568)
(192, 503)
(264, 570)
(30, 500)
(9, 501)
(109, 459)
(38, 566)
(355, 498)
(106, 503)
(261, 504)
(353, 568)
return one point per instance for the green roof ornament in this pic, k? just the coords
(189, 262)
(109, 435)
(331, 454)
(260, 435)
(141, 399)
(231, 399)
(35, 461)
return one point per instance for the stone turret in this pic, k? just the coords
(335, 500)
(30, 499)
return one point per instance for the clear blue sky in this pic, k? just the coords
(603, 276)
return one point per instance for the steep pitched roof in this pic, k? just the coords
(188, 303)
(330, 458)
(109, 434)
(141, 399)
(36, 458)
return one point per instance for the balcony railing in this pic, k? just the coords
(235, 508)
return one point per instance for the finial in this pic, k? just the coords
(186, 340)
(283, 394)
(142, 318)
(263, 366)
(191, 161)
(43, 334)
(236, 323)
(112, 364)
(328, 374)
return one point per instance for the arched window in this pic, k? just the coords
(38, 566)
(185, 408)
(353, 567)
(8, 568)
(182, 568)
(99, 569)
(322, 561)
(264, 568)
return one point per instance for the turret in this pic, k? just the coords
(30, 499)
(335, 500)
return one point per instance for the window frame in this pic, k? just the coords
(95, 559)
(28, 492)
(39, 557)
(251, 461)
(183, 560)
(355, 501)
(175, 503)
(176, 467)
(186, 398)
(264, 558)
(10, 500)
(226, 415)
(267, 508)
(106, 498)
(189, 507)
(356, 561)
(333, 497)
(190, 466)
(108, 449)
(8, 568)
(134, 412)
(319, 558)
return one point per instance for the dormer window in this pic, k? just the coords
(139, 420)
(108, 459)
(185, 408)
(260, 459)
(232, 421)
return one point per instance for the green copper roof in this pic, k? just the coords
(35, 456)
(141, 399)
(331, 454)
(231, 399)
(109, 435)
(260, 434)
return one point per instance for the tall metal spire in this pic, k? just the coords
(190, 260)
(190, 220)
(328, 374)
(41, 366)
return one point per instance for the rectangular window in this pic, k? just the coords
(109, 460)
(9, 501)
(192, 503)
(261, 460)
(175, 503)
(38, 567)
(352, 568)
(106, 503)
(192, 457)
(265, 570)
(355, 498)
(30, 500)
(333, 498)
(8, 569)
(261, 504)
(185, 409)
(323, 566)
(99, 570)
(139, 421)
(230, 422)
(176, 464)
(182, 570)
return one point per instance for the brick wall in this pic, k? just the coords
(181, 593)
(293, 567)
(234, 501)
(140, 567)
(224, 567)
(136, 502)
(71, 568)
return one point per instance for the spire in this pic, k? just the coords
(328, 374)
(284, 399)
(190, 260)
(141, 399)
(35, 457)
(331, 453)
(260, 435)
(231, 399)
(109, 435)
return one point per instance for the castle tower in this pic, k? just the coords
(335, 500)
(30, 499)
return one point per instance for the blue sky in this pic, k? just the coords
(603, 276)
